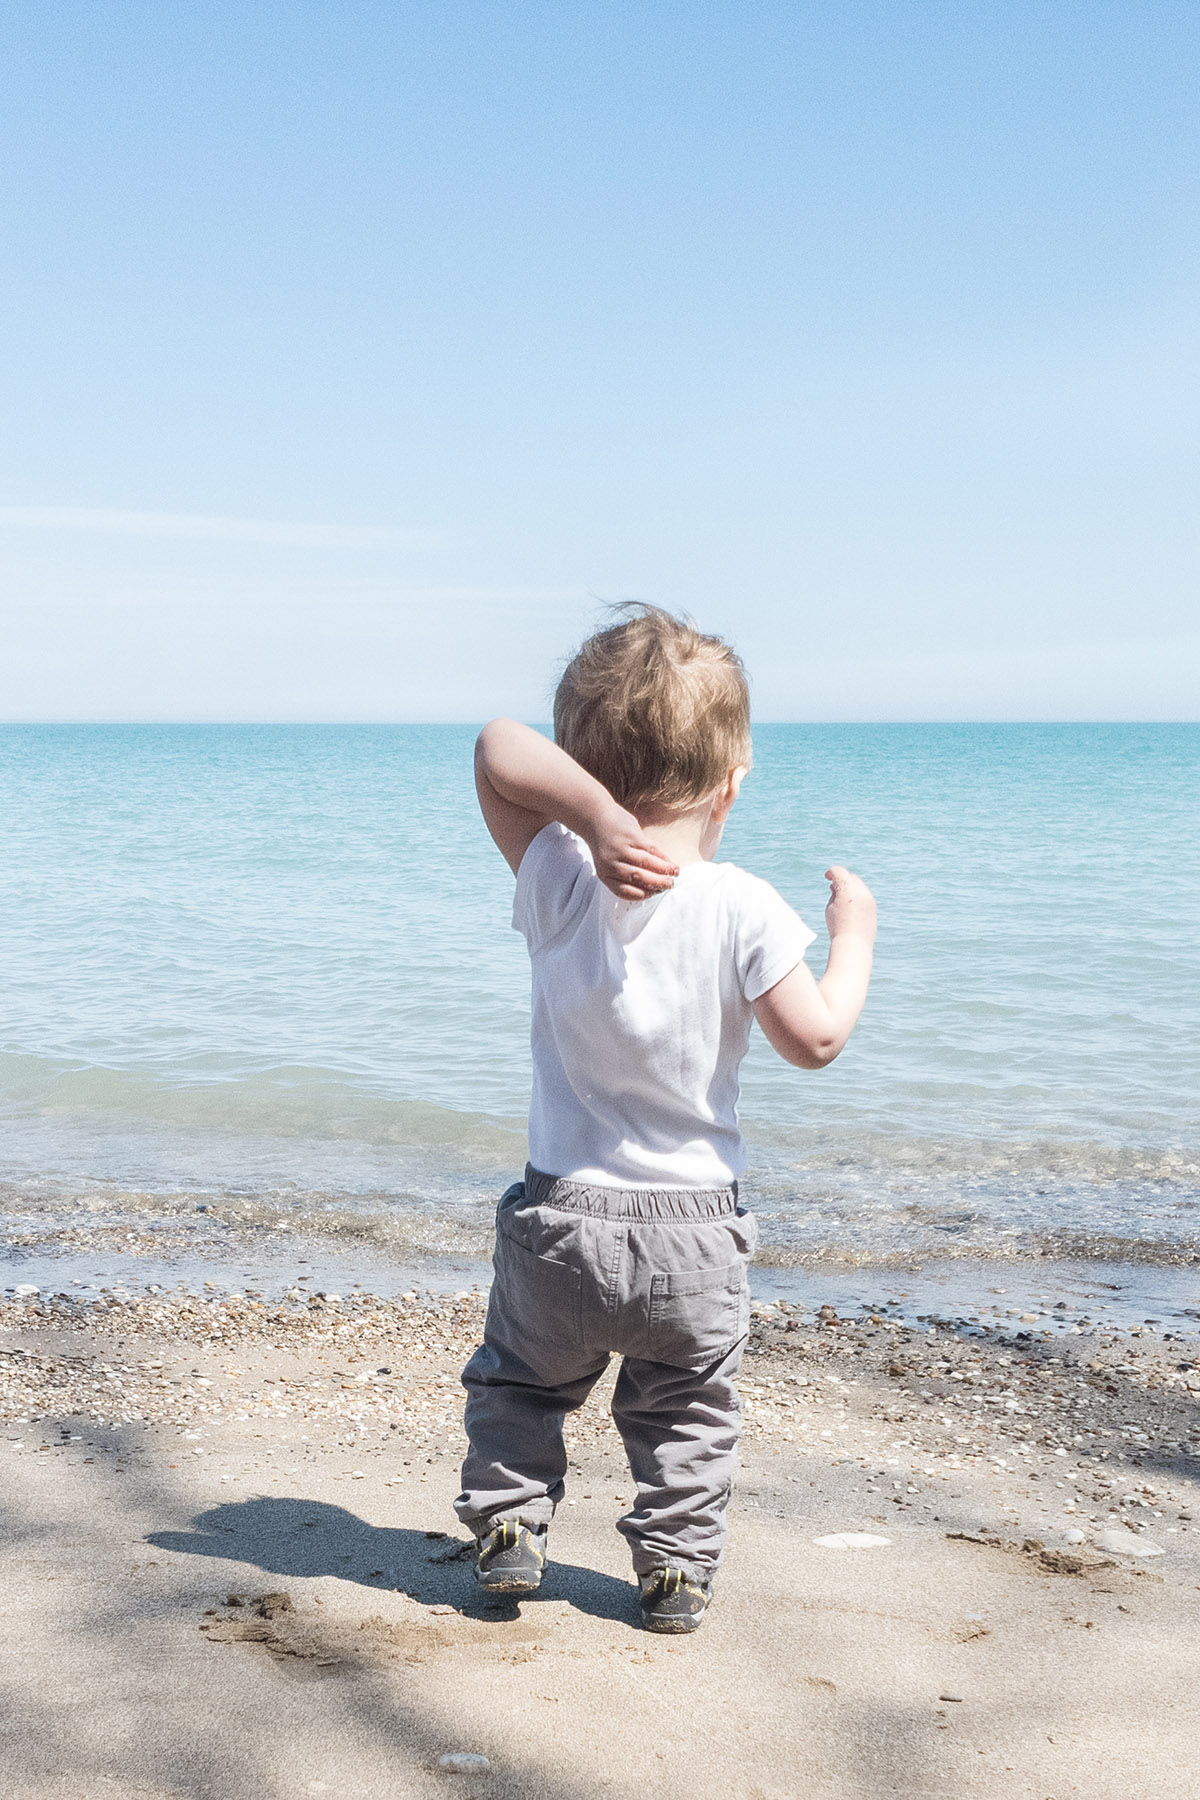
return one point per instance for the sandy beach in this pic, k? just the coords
(231, 1568)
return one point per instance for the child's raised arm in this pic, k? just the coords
(807, 1021)
(525, 783)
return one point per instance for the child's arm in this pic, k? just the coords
(808, 1022)
(525, 782)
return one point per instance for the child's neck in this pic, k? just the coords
(686, 837)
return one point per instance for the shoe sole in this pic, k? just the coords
(508, 1584)
(673, 1626)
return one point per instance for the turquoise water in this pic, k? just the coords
(270, 969)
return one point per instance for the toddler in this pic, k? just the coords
(650, 959)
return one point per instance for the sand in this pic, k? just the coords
(230, 1569)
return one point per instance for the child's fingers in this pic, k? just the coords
(630, 883)
(659, 875)
(647, 882)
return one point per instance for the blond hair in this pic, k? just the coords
(654, 709)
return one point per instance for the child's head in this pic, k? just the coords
(655, 710)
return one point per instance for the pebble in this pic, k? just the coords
(25, 1290)
(954, 1699)
(464, 1762)
(1127, 1543)
(1074, 1536)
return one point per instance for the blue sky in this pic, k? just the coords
(353, 355)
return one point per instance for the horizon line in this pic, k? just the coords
(446, 724)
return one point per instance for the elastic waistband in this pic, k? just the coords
(629, 1203)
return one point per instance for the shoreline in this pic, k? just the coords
(1016, 1295)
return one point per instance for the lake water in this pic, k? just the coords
(269, 971)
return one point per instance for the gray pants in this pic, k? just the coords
(657, 1275)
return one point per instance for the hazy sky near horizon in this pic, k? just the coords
(355, 354)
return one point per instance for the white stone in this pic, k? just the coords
(1074, 1536)
(25, 1290)
(851, 1540)
(464, 1762)
(1127, 1543)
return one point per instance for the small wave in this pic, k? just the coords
(311, 1150)
(285, 1101)
(329, 1107)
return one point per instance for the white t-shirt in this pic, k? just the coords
(642, 1013)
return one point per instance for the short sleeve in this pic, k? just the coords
(771, 937)
(554, 881)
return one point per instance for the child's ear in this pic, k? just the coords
(728, 793)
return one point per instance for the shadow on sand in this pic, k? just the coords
(285, 1536)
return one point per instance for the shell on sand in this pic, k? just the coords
(851, 1540)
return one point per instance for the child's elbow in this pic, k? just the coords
(812, 1049)
(816, 1055)
(806, 1044)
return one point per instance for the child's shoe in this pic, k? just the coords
(672, 1601)
(511, 1559)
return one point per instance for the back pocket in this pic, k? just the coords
(536, 1303)
(697, 1315)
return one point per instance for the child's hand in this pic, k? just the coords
(851, 905)
(626, 861)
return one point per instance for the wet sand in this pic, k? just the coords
(173, 1461)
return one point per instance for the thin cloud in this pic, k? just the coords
(197, 525)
